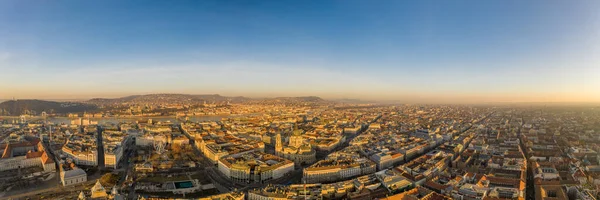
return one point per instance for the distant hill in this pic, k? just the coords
(168, 98)
(352, 101)
(303, 99)
(196, 99)
(289, 100)
(19, 107)
(32, 106)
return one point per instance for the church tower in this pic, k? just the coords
(296, 139)
(278, 145)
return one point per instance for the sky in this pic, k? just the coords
(406, 51)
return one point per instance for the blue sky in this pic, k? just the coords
(413, 51)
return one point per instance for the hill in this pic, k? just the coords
(168, 98)
(35, 107)
(301, 99)
(196, 99)
(352, 101)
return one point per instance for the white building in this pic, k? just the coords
(112, 156)
(24, 154)
(88, 158)
(71, 175)
(255, 166)
(114, 146)
(334, 170)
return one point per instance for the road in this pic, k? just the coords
(126, 166)
(100, 149)
(54, 157)
(56, 189)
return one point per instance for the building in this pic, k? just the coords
(81, 149)
(226, 196)
(269, 193)
(297, 151)
(71, 175)
(254, 167)
(229, 145)
(428, 165)
(112, 155)
(550, 192)
(83, 122)
(338, 166)
(114, 143)
(24, 154)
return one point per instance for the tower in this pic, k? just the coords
(23, 119)
(98, 191)
(278, 145)
(50, 133)
(296, 139)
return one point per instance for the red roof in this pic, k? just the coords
(36, 154)
(7, 151)
(46, 159)
(435, 196)
(436, 186)
(469, 175)
(579, 173)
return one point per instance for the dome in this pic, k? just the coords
(297, 133)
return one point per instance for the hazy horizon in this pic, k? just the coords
(393, 101)
(424, 51)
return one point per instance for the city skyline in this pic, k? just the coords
(430, 52)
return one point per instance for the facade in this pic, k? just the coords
(336, 170)
(226, 196)
(254, 167)
(71, 175)
(428, 165)
(81, 149)
(215, 151)
(269, 193)
(83, 122)
(340, 165)
(114, 143)
(89, 158)
(25, 154)
(385, 160)
(112, 156)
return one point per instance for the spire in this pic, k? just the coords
(114, 191)
(98, 190)
(81, 196)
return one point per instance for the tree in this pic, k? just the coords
(109, 179)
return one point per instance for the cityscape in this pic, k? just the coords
(274, 100)
(170, 146)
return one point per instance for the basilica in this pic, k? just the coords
(297, 150)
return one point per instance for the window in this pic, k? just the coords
(551, 193)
